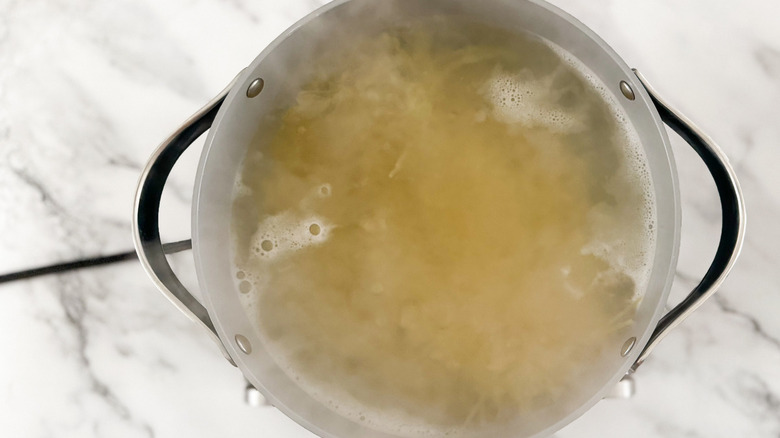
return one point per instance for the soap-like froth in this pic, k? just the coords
(609, 242)
(277, 236)
(518, 98)
(521, 98)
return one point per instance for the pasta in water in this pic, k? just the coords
(447, 230)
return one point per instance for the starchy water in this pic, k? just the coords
(446, 231)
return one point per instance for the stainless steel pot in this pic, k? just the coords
(272, 79)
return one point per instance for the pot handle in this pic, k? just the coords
(733, 218)
(146, 229)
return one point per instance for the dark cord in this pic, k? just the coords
(168, 248)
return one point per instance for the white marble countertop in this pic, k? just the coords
(88, 89)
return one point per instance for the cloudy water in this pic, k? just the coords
(447, 231)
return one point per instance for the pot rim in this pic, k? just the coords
(227, 327)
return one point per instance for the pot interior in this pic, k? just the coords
(283, 68)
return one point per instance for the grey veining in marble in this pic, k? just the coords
(87, 90)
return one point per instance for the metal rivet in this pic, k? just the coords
(627, 90)
(627, 346)
(255, 87)
(243, 344)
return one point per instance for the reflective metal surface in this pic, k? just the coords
(243, 344)
(627, 346)
(627, 91)
(255, 87)
(146, 231)
(733, 218)
(253, 397)
(624, 389)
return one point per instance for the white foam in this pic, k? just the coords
(521, 98)
(278, 235)
(286, 234)
(608, 245)
(518, 98)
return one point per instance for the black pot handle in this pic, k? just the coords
(146, 229)
(732, 232)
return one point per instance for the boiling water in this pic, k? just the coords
(448, 230)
